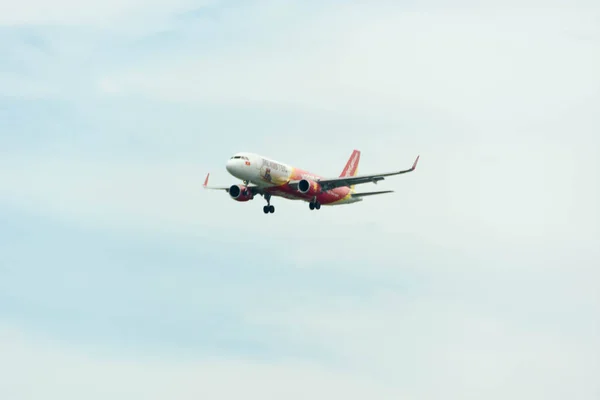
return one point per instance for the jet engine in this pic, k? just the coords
(240, 193)
(309, 187)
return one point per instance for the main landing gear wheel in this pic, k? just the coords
(268, 208)
(314, 205)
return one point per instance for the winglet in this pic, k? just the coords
(206, 181)
(415, 163)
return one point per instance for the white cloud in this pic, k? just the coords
(15, 85)
(377, 61)
(89, 13)
(502, 109)
(158, 196)
(435, 346)
(386, 345)
(32, 367)
(493, 94)
(107, 86)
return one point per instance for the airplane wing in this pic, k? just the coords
(328, 184)
(253, 189)
(371, 193)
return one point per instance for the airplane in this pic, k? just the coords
(266, 177)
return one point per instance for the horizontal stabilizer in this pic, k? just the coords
(371, 193)
(205, 185)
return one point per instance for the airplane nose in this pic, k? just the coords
(229, 166)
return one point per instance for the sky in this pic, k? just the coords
(121, 278)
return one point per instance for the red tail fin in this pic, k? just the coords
(352, 164)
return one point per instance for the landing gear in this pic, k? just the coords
(314, 205)
(268, 208)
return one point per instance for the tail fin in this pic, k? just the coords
(351, 167)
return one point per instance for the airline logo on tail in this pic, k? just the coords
(351, 167)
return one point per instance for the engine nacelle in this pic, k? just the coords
(240, 193)
(309, 187)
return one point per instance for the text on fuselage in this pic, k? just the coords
(274, 166)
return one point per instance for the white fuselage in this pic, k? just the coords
(273, 176)
(259, 170)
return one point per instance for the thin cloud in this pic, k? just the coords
(469, 64)
(27, 360)
(91, 13)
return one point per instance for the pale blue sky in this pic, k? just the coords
(121, 278)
